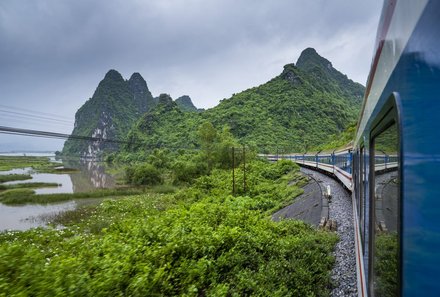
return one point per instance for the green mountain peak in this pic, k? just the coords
(309, 58)
(291, 74)
(165, 103)
(113, 109)
(113, 75)
(295, 111)
(142, 97)
(185, 103)
(324, 74)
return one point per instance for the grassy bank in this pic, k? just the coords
(26, 186)
(13, 177)
(24, 196)
(12, 162)
(40, 164)
(200, 241)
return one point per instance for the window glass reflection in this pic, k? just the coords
(386, 214)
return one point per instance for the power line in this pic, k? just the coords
(39, 112)
(47, 134)
(36, 117)
(38, 133)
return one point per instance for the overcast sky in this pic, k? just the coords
(53, 53)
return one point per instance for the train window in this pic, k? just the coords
(362, 196)
(385, 212)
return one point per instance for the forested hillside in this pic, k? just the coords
(295, 111)
(112, 111)
(165, 125)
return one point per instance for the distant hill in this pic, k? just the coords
(185, 103)
(295, 111)
(165, 125)
(330, 78)
(142, 97)
(110, 113)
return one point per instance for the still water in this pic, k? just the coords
(24, 217)
(90, 175)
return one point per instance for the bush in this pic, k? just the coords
(145, 174)
(201, 241)
(278, 169)
(187, 171)
(110, 158)
(203, 249)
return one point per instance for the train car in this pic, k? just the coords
(396, 156)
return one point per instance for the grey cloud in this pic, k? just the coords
(58, 50)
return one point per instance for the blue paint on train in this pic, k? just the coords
(416, 78)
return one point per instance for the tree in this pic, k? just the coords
(223, 147)
(208, 138)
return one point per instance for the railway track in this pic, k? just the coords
(340, 210)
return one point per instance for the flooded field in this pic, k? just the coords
(88, 176)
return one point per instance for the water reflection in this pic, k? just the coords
(24, 217)
(90, 176)
(16, 171)
(386, 213)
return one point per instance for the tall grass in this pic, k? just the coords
(13, 177)
(23, 196)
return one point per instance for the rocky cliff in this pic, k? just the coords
(109, 114)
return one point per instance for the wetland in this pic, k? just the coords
(35, 189)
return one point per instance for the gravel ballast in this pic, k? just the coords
(340, 210)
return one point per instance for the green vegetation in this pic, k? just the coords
(40, 164)
(22, 196)
(145, 174)
(386, 264)
(185, 104)
(27, 185)
(199, 241)
(387, 142)
(13, 177)
(266, 186)
(338, 141)
(209, 232)
(112, 105)
(13, 162)
(113, 110)
(293, 112)
(182, 167)
(330, 78)
(166, 125)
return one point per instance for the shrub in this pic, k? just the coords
(278, 169)
(200, 241)
(187, 171)
(145, 174)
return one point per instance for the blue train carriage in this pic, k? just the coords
(397, 156)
